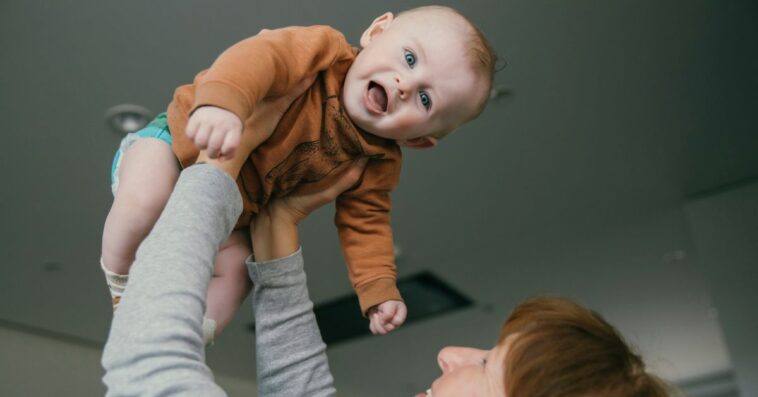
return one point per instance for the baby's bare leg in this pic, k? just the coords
(230, 284)
(147, 176)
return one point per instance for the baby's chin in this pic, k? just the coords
(373, 126)
(358, 117)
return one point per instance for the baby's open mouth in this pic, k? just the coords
(377, 98)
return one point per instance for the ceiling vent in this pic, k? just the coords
(425, 294)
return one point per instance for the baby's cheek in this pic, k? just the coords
(407, 124)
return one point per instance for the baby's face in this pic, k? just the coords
(412, 79)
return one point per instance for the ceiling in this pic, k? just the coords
(571, 184)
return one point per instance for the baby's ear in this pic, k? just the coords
(379, 25)
(422, 142)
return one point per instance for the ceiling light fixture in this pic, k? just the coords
(126, 118)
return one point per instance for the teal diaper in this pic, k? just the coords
(158, 128)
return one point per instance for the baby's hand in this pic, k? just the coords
(215, 130)
(386, 316)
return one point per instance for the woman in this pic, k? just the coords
(547, 347)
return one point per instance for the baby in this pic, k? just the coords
(417, 77)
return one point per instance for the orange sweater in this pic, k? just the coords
(313, 138)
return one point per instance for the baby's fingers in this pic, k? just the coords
(376, 324)
(387, 311)
(203, 135)
(387, 318)
(214, 143)
(231, 142)
(379, 329)
(372, 327)
(400, 315)
(192, 128)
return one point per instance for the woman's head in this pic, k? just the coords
(549, 347)
(560, 349)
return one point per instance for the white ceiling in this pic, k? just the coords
(572, 184)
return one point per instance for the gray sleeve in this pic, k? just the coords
(155, 345)
(290, 354)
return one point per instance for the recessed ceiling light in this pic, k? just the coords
(126, 118)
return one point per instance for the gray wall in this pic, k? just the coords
(36, 365)
(725, 232)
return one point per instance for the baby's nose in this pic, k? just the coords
(402, 87)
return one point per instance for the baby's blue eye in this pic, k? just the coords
(410, 58)
(425, 100)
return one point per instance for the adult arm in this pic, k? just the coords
(155, 346)
(291, 355)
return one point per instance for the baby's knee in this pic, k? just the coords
(232, 275)
(232, 254)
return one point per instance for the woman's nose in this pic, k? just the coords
(452, 357)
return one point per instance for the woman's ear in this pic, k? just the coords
(422, 142)
(379, 25)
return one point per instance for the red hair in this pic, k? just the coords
(561, 349)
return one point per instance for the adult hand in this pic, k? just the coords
(274, 229)
(296, 207)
